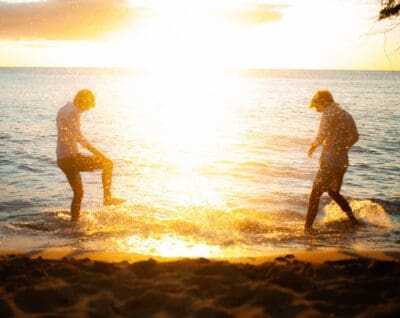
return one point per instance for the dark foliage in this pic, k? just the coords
(391, 8)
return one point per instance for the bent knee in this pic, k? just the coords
(108, 164)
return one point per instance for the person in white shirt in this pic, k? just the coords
(337, 134)
(70, 161)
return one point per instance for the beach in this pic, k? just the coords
(307, 284)
(199, 159)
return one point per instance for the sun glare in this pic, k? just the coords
(168, 246)
(183, 37)
(191, 96)
(186, 74)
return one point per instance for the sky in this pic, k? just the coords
(162, 34)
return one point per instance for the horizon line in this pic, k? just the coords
(222, 68)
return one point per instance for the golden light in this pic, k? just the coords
(168, 246)
(187, 83)
(191, 113)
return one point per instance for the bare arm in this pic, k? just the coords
(353, 133)
(94, 150)
(322, 132)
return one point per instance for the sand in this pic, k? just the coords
(308, 284)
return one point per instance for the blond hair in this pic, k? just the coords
(322, 97)
(84, 96)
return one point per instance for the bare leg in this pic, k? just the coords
(108, 199)
(91, 163)
(107, 166)
(344, 205)
(312, 211)
(75, 182)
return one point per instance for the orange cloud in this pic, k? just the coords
(64, 19)
(255, 14)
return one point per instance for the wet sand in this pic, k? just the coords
(308, 284)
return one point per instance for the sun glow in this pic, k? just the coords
(168, 246)
(183, 36)
(186, 82)
(189, 109)
(197, 34)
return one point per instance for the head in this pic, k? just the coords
(84, 100)
(321, 99)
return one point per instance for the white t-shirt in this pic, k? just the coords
(69, 131)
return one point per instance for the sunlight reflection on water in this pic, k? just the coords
(210, 163)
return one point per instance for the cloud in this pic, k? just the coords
(255, 14)
(64, 19)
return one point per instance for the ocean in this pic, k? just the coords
(212, 164)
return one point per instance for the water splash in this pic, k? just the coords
(210, 231)
(366, 211)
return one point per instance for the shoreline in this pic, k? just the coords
(314, 256)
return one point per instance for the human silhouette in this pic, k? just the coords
(337, 133)
(70, 161)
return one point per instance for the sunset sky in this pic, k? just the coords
(301, 34)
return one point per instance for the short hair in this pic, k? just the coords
(323, 97)
(84, 94)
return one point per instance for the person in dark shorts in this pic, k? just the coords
(70, 161)
(337, 133)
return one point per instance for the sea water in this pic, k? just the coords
(211, 163)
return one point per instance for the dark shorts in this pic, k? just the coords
(329, 177)
(79, 162)
(72, 166)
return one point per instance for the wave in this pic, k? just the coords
(29, 168)
(16, 204)
(131, 227)
(4, 161)
(46, 159)
(367, 211)
(392, 207)
(281, 198)
(4, 136)
(284, 140)
(251, 169)
(364, 150)
(203, 222)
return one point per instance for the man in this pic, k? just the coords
(70, 161)
(337, 133)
